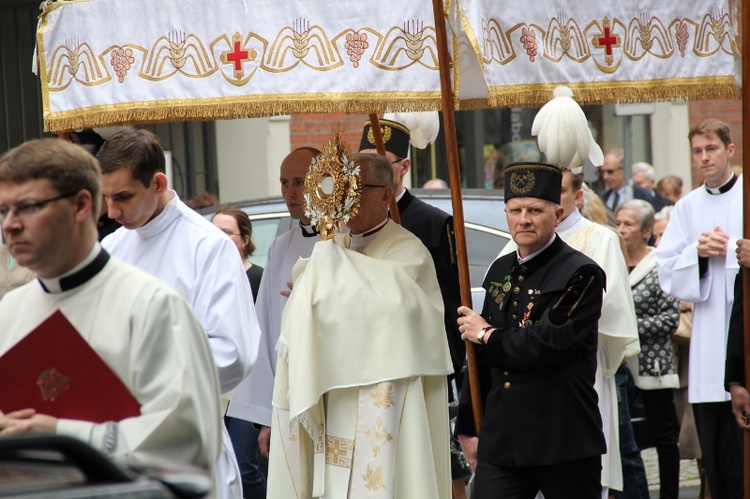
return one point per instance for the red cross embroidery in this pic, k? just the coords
(236, 56)
(607, 41)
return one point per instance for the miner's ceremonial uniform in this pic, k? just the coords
(542, 429)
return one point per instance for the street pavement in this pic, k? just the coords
(689, 479)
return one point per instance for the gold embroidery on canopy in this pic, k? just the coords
(379, 436)
(177, 53)
(647, 35)
(302, 43)
(496, 46)
(356, 45)
(75, 61)
(373, 478)
(564, 38)
(383, 396)
(339, 451)
(401, 48)
(607, 40)
(715, 27)
(235, 54)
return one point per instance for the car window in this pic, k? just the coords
(265, 230)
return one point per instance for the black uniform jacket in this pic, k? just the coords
(537, 370)
(735, 364)
(434, 228)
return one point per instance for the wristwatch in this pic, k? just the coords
(480, 334)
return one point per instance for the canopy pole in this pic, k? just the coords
(377, 134)
(746, 232)
(454, 177)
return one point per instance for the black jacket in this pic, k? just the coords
(538, 377)
(434, 228)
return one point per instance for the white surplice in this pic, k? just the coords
(618, 327)
(185, 250)
(251, 400)
(147, 334)
(360, 400)
(713, 294)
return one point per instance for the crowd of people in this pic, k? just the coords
(326, 371)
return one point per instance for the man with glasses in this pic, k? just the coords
(434, 228)
(696, 264)
(362, 364)
(142, 329)
(619, 190)
(169, 240)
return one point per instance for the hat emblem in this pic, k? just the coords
(521, 184)
(385, 130)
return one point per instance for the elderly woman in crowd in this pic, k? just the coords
(657, 313)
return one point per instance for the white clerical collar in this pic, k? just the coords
(75, 277)
(308, 230)
(160, 222)
(358, 242)
(570, 221)
(524, 260)
(723, 187)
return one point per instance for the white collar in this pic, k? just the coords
(52, 284)
(358, 242)
(524, 260)
(570, 221)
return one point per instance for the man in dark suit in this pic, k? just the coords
(537, 337)
(619, 191)
(734, 376)
(643, 175)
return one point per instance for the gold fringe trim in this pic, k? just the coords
(198, 110)
(536, 95)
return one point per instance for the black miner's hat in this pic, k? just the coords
(533, 180)
(395, 138)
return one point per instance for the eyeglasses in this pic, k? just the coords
(610, 172)
(26, 210)
(372, 186)
(397, 160)
(231, 233)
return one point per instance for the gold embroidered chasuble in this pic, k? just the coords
(360, 397)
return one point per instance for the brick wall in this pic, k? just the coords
(315, 130)
(729, 111)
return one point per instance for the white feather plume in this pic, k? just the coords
(424, 126)
(563, 133)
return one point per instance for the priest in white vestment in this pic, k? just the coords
(251, 400)
(142, 329)
(167, 239)
(360, 399)
(618, 328)
(696, 264)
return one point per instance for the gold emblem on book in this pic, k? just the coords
(522, 184)
(52, 383)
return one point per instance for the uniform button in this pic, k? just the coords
(506, 384)
(516, 290)
(521, 278)
(515, 303)
(514, 317)
(506, 373)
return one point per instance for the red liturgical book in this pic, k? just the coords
(54, 371)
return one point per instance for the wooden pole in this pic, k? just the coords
(454, 177)
(380, 146)
(746, 230)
